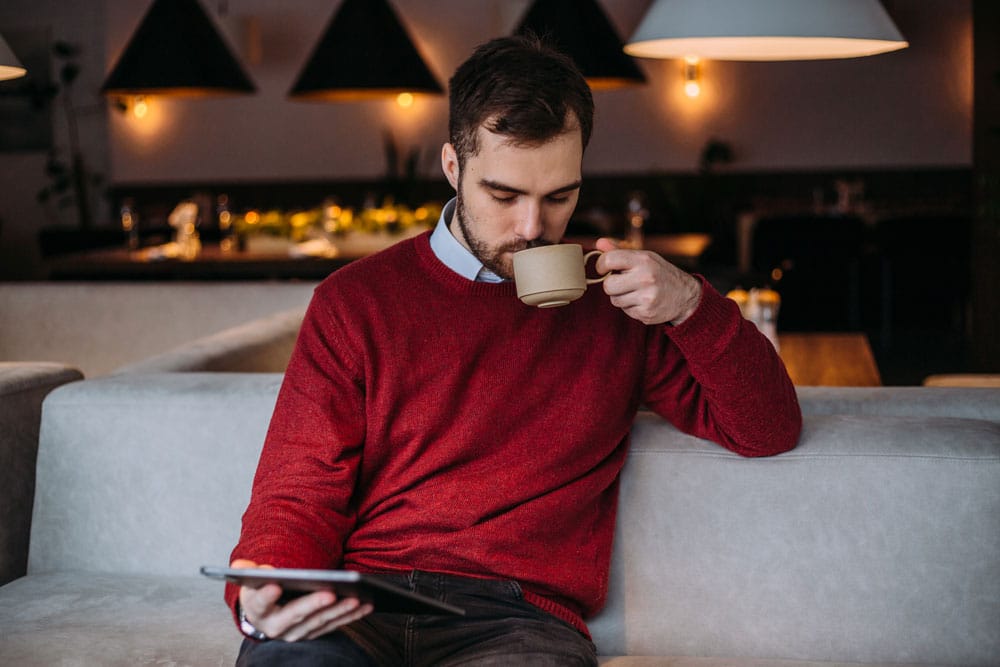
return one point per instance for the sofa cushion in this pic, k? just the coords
(120, 621)
(101, 619)
(147, 473)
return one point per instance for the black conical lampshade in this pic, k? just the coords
(364, 52)
(581, 29)
(177, 51)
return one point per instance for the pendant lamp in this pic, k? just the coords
(176, 50)
(10, 66)
(581, 30)
(365, 52)
(765, 30)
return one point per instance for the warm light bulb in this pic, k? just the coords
(405, 100)
(692, 77)
(139, 107)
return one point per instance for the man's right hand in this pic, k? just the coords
(306, 617)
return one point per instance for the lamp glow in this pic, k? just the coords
(140, 107)
(692, 77)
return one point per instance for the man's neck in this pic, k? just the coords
(456, 229)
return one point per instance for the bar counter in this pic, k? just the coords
(276, 262)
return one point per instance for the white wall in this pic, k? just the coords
(899, 110)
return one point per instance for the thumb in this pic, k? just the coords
(606, 244)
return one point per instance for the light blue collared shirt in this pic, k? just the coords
(456, 256)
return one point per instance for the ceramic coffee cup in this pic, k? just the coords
(552, 275)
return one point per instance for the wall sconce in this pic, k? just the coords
(692, 76)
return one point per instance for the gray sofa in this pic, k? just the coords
(876, 541)
(23, 387)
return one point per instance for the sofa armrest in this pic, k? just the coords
(23, 387)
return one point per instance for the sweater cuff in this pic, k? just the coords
(711, 326)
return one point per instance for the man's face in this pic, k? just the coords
(512, 197)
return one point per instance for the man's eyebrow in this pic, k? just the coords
(495, 185)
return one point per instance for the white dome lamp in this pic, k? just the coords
(765, 30)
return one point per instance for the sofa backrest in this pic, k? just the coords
(876, 540)
(147, 473)
(263, 345)
(100, 326)
(965, 402)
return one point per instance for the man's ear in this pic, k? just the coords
(449, 164)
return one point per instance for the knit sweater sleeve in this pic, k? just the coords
(300, 510)
(717, 377)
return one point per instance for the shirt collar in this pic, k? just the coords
(454, 255)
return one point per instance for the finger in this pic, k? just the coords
(615, 260)
(326, 620)
(624, 259)
(606, 244)
(341, 621)
(320, 618)
(259, 602)
(618, 284)
(284, 618)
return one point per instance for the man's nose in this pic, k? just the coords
(529, 221)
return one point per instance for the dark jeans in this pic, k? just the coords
(499, 628)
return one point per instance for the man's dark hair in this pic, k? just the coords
(520, 88)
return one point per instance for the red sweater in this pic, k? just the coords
(430, 422)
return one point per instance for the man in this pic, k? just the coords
(434, 429)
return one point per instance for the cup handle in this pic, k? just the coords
(591, 281)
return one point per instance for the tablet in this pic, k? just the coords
(385, 597)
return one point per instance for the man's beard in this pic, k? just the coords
(492, 258)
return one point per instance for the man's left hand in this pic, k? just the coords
(646, 286)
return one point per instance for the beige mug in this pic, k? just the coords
(552, 275)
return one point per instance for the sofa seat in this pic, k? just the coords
(109, 620)
(688, 661)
